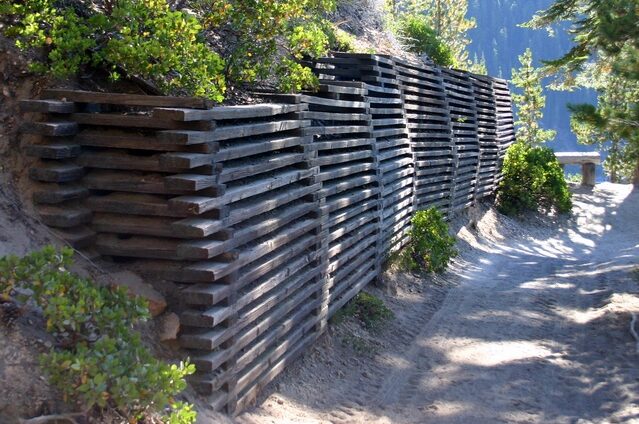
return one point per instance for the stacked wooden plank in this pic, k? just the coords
(255, 295)
(350, 193)
(133, 159)
(505, 121)
(426, 106)
(268, 217)
(487, 134)
(221, 200)
(394, 154)
(58, 192)
(463, 113)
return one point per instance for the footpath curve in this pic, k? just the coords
(536, 329)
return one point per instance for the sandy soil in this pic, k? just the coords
(531, 324)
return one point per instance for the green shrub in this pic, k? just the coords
(340, 40)
(103, 362)
(142, 38)
(431, 246)
(368, 309)
(532, 180)
(573, 178)
(422, 39)
(173, 49)
(268, 38)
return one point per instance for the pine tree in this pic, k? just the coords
(530, 102)
(605, 34)
(604, 125)
(448, 19)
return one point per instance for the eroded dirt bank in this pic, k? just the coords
(530, 325)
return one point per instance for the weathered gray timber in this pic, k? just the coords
(464, 124)
(269, 217)
(389, 130)
(487, 135)
(505, 121)
(430, 131)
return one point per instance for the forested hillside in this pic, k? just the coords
(499, 40)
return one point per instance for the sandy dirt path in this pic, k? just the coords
(535, 329)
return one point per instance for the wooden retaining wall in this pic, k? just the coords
(505, 121)
(269, 217)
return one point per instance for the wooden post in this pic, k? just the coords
(588, 174)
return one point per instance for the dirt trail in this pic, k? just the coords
(531, 325)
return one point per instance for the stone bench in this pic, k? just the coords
(587, 160)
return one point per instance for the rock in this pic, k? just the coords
(168, 327)
(136, 286)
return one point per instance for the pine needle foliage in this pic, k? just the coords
(530, 102)
(448, 20)
(605, 37)
(604, 125)
(422, 39)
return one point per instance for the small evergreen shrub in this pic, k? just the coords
(422, 39)
(431, 247)
(142, 38)
(226, 41)
(573, 178)
(340, 40)
(102, 362)
(368, 309)
(532, 180)
(266, 39)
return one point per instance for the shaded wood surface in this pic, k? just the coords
(274, 215)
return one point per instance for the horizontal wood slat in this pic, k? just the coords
(270, 217)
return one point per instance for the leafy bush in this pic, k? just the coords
(422, 39)
(340, 40)
(431, 246)
(173, 49)
(103, 362)
(368, 309)
(533, 179)
(142, 38)
(573, 178)
(263, 39)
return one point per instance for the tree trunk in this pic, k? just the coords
(635, 179)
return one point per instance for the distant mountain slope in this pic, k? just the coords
(499, 40)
